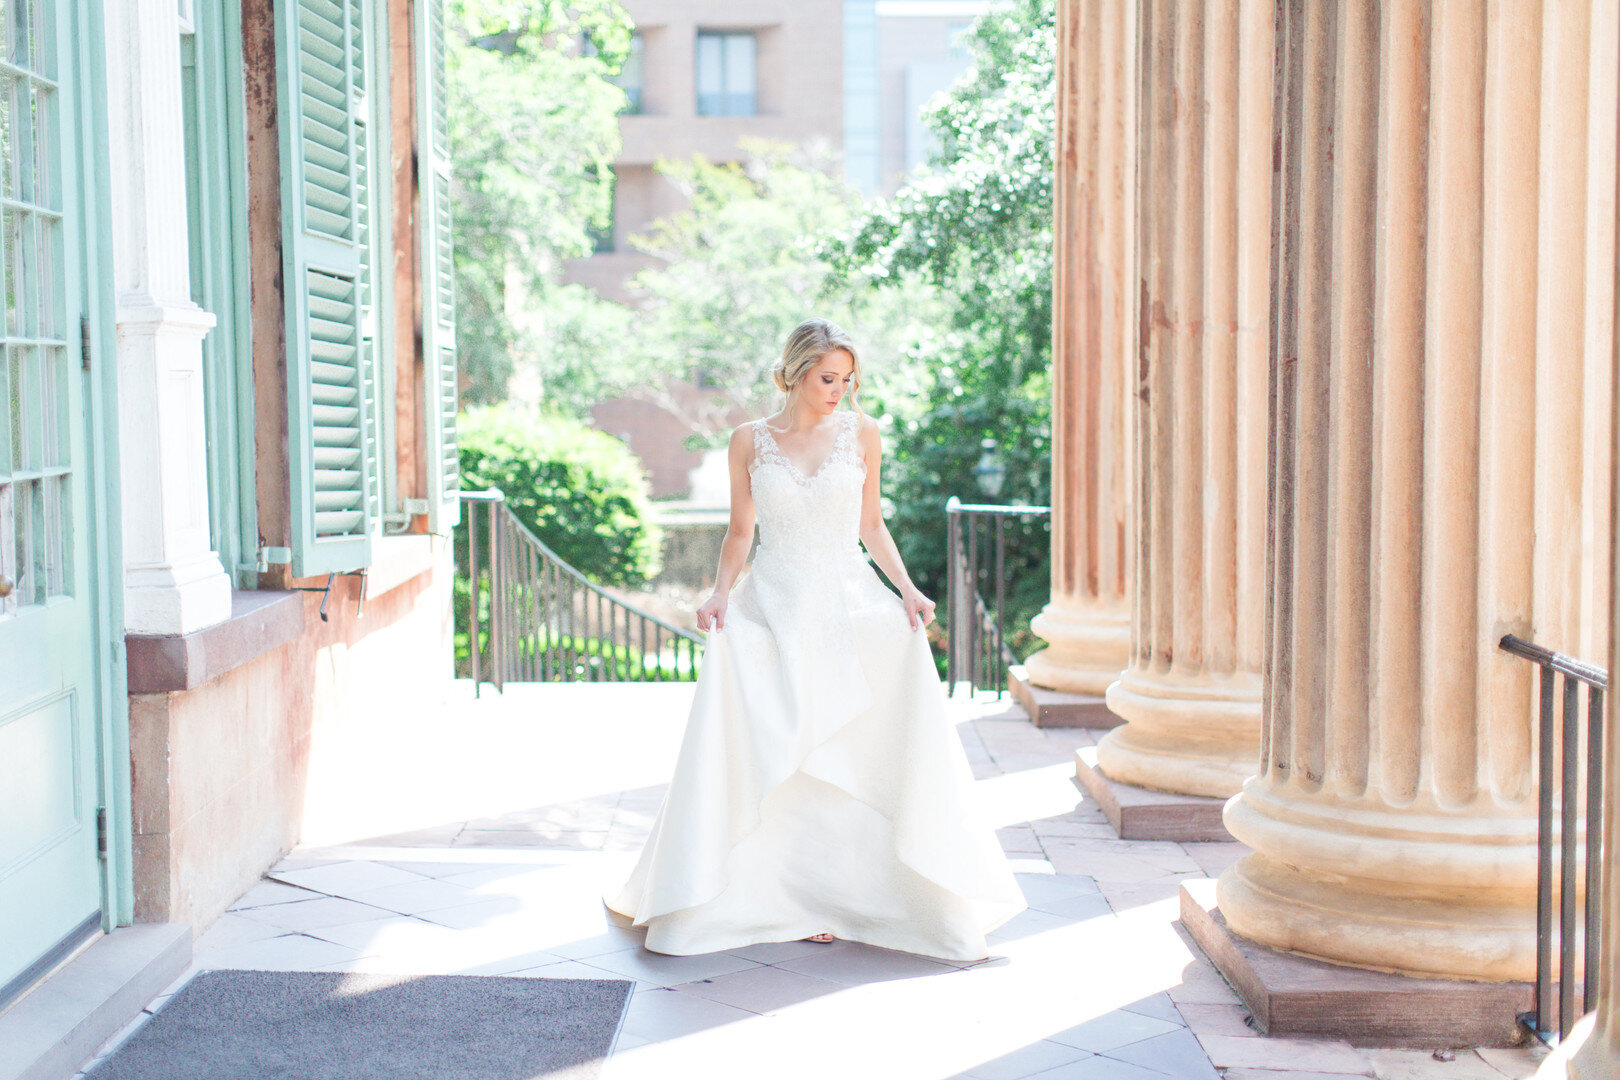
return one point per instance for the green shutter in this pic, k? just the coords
(438, 268)
(332, 444)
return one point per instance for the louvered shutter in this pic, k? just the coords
(331, 380)
(438, 268)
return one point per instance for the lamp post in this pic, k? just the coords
(991, 472)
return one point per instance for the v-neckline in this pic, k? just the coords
(807, 477)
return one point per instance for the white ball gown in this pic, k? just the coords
(820, 786)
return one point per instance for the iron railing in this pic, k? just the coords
(1560, 742)
(547, 622)
(976, 642)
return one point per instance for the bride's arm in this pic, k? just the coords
(875, 532)
(739, 532)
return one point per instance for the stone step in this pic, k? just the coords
(1054, 708)
(1291, 995)
(1143, 814)
(51, 1031)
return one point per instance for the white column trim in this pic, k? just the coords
(173, 580)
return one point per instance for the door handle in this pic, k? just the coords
(6, 585)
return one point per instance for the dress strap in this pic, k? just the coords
(765, 448)
(852, 424)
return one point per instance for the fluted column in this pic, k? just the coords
(1087, 622)
(1597, 1037)
(1598, 1056)
(1191, 695)
(1435, 481)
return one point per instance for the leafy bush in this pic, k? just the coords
(579, 490)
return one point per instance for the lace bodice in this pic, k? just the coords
(816, 513)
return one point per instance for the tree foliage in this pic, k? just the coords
(977, 223)
(737, 269)
(533, 130)
(579, 490)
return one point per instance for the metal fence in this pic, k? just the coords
(547, 622)
(1570, 781)
(976, 593)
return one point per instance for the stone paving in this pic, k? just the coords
(517, 812)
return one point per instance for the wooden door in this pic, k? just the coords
(50, 880)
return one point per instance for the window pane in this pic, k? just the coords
(740, 67)
(19, 31)
(602, 235)
(8, 547)
(710, 74)
(27, 529)
(629, 77)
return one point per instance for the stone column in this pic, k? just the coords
(1598, 1056)
(1191, 696)
(1596, 1040)
(1087, 623)
(1433, 356)
(173, 581)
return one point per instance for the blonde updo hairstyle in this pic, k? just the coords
(806, 347)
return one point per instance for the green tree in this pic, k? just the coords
(977, 223)
(533, 129)
(737, 269)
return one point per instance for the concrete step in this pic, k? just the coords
(51, 1031)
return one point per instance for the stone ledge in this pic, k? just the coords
(259, 622)
(59, 1025)
(1292, 995)
(1140, 814)
(1054, 708)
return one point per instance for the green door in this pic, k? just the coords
(50, 881)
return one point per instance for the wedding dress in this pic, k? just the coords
(820, 786)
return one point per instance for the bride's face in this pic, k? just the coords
(825, 385)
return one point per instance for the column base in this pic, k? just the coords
(1054, 708)
(1088, 648)
(1379, 926)
(1291, 995)
(1415, 889)
(1140, 814)
(1185, 736)
(177, 599)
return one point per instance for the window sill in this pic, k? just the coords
(259, 622)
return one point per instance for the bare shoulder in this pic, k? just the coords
(868, 433)
(742, 436)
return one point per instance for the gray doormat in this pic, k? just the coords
(318, 1025)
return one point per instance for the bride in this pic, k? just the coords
(820, 790)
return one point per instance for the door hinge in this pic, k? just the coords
(84, 342)
(101, 833)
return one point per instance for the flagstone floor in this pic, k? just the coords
(480, 839)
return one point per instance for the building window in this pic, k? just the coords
(601, 235)
(725, 74)
(629, 77)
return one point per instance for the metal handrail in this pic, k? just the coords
(976, 644)
(550, 623)
(490, 498)
(1567, 783)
